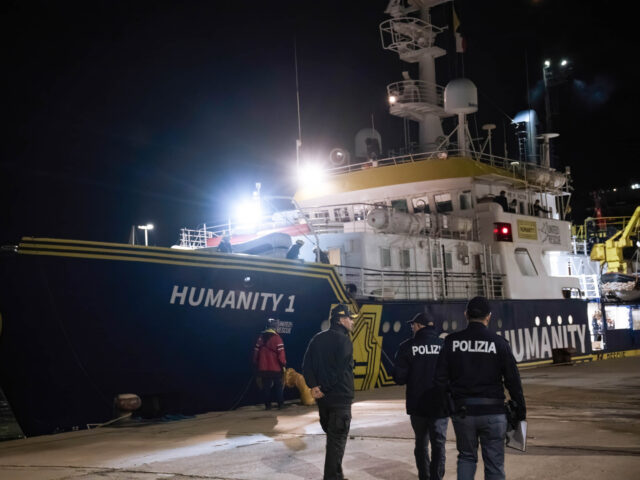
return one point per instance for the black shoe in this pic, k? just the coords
(267, 407)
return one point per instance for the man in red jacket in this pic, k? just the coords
(269, 361)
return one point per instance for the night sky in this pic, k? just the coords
(122, 113)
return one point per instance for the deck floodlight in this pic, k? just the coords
(309, 174)
(392, 99)
(146, 228)
(547, 63)
(564, 62)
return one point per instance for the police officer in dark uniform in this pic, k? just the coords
(476, 364)
(415, 366)
(328, 370)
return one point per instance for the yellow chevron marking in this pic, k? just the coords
(367, 346)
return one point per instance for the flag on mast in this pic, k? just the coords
(460, 43)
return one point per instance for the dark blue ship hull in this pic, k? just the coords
(84, 322)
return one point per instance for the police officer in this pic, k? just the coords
(415, 366)
(476, 364)
(328, 371)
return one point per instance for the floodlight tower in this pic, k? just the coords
(413, 39)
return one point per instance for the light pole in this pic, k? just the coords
(146, 229)
(547, 101)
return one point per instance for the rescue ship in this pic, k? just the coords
(420, 231)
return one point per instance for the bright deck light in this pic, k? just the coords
(392, 99)
(547, 63)
(310, 174)
(563, 63)
(635, 186)
(247, 214)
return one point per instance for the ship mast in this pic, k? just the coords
(413, 39)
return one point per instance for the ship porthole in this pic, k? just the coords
(570, 320)
(559, 320)
(499, 323)
(397, 326)
(537, 321)
(454, 325)
(324, 325)
(445, 325)
(548, 320)
(385, 327)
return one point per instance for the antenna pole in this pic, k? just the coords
(299, 139)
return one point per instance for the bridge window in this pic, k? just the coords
(405, 259)
(465, 200)
(443, 203)
(385, 257)
(399, 205)
(523, 259)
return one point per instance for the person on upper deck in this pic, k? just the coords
(538, 209)
(225, 244)
(294, 250)
(502, 201)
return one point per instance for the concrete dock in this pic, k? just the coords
(584, 422)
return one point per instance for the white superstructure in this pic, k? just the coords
(432, 225)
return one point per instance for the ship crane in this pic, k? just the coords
(615, 252)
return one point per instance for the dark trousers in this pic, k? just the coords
(271, 381)
(435, 430)
(335, 421)
(490, 430)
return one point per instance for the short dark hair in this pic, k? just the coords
(478, 308)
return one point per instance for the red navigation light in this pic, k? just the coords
(502, 232)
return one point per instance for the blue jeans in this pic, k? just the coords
(491, 431)
(434, 429)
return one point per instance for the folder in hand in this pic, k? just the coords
(517, 437)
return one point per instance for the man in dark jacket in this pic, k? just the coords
(269, 360)
(294, 250)
(476, 364)
(415, 366)
(328, 371)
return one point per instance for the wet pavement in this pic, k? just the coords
(584, 422)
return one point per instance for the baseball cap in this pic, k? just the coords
(342, 310)
(420, 318)
(478, 307)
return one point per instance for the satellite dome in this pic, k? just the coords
(368, 143)
(460, 96)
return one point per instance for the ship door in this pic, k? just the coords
(335, 256)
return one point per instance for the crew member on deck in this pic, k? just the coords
(502, 200)
(294, 250)
(475, 365)
(415, 366)
(321, 255)
(225, 244)
(538, 209)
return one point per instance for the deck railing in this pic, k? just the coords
(411, 285)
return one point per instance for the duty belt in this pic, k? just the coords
(462, 404)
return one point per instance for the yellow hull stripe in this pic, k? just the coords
(587, 358)
(327, 273)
